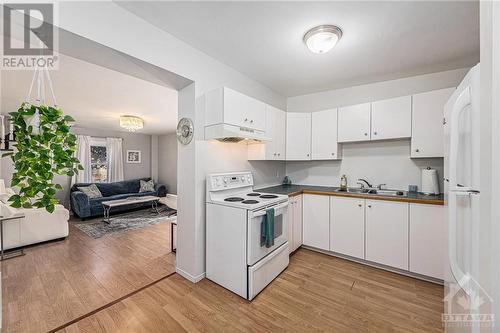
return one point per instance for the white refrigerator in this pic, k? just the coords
(466, 299)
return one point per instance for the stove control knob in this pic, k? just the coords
(242, 179)
(225, 180)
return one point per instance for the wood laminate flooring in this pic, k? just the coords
(60, 281)
(316, 293)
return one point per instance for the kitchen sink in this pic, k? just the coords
(373, 191)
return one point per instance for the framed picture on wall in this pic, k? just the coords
(133, 156)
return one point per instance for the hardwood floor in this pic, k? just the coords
(57, 282)
(316, 293)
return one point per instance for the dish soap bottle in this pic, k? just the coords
(343, 183)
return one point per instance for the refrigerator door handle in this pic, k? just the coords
(461, 277)
(463, 100)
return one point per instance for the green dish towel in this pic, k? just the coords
(267, 229)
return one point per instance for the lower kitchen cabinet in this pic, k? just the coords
(427, 240)
(347, 226)
(295, 223)
(316, 221)
(387, 233)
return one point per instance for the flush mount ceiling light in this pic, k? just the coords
(131, 123)
(322, 38)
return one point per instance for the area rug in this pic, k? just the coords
(129, 221)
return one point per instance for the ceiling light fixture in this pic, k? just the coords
(131, 123)
(322, 38)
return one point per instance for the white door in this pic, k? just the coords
(427, 240)
(391, 118)
(279, 134)
(316, 221)
(298, 136)
(347, 226)
(297, 222)
(427, 123)
(387, 233)
(324, 144)
(354, 123)
(242, 110)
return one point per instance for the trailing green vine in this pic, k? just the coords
(41, 154)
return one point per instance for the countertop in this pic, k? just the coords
(293, 190)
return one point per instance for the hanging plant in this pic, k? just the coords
(44, 147)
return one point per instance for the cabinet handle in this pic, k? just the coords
(366, 134)
(369, 206)
(360, 205)
(251, 121)
(274, 154)
(374, 133)
(333, 154)
(307, 155)
(246, 119)
(417, 150)
(279, 154)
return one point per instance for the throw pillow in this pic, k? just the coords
(91, 191)
(148, 186)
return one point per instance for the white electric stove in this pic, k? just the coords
(236, 257)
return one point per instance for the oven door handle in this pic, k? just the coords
(276, 208)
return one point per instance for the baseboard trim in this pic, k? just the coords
(187, 276)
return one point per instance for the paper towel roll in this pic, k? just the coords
(430, 182)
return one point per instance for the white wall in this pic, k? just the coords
(167, 161)
(383, 162)
(110, 23)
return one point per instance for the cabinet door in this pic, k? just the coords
(354, 123)
(387, 233)
(297, 222)
(242, 110)
(347, 226)
(279, 134)
(427, 123)
(391, 118)
(427, 240)
(298, 136)
(324, 144)
(316, 221)
(271, 114)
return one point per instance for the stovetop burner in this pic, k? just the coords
(234, 199)
(268, 196)
(250, 202)
(255, 194)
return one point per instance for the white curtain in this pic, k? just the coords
(83, 154)
(115, 159)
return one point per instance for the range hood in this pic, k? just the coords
(232, 133)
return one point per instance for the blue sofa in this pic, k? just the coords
(84, 207)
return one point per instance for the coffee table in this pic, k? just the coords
(107, 205)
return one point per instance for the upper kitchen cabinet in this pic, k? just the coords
(427, 123)
(324, 144)
(354, 123)
(276, 131)
(298, 136)
(391, 118)
(226, 106)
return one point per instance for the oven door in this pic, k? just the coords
(255, 251)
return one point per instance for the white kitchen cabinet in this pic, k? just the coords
(391, 118)
(276, 131)
(354, 123)
(427, 240)
(295, 222)
(387, 233)
(298, 136)
(316, 221)
(324, 144)
(227, 106)
(427, 123)
(347, 226)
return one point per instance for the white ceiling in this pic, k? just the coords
(382, 40)
(96, 96)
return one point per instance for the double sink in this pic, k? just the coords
(373, 191)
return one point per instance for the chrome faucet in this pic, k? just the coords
(362, 182)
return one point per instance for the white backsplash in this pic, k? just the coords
(383, 162)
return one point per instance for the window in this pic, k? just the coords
(98, 160)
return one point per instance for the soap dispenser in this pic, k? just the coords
(343, 183)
